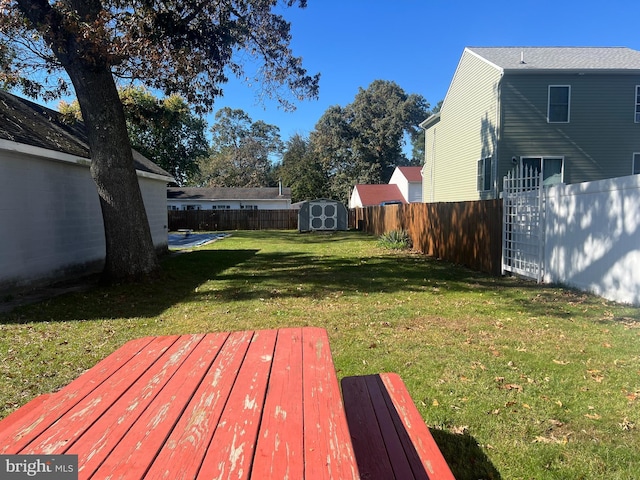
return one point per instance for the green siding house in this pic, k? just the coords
(573, 112)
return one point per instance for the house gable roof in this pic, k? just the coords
(412, 174)
(558, 59)
(378, 193)
(227, 193)
(28, 123)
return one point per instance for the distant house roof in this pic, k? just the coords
(227, 193)
(378, 193)
(523, 59)
(412, 174)
(28, 123)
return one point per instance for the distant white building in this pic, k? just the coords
(409, 181)
(225, 198)
(405, 186)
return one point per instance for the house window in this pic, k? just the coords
(551, 167)
(637, 103)
(248, 207)
(636, 163)
(191, 207)
(558, 109)
(220, 207)
(484, 174)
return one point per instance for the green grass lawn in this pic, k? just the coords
(516, 380)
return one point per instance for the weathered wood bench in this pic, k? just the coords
(390, 439)
(256, 405)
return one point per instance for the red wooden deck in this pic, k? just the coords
(258, 404)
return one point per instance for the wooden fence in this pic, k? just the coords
(467, 233)
(233, 219)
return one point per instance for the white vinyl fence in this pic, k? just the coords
(590, 241)
(592, 237)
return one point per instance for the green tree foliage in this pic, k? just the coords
(301, 171)
(185, 47)
(418, 141)
(363, 142)
(241, 151)
(165, 131)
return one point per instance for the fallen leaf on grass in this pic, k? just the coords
(551, 439)
(512, 386)
(560, 362)
(627, 425)
(593, 416)
(460, 430)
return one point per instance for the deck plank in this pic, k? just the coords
(148, 368)
(280, 449)
(421, 439)
(405, 461)
(132, 455)
(112, 428)
(327, 443)
(231, 451)
(366, 434)
(13, 440)
(184, 451)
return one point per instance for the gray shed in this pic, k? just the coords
(322, 214)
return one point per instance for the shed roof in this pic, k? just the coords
(378, 193)
(227, 193)
(28, 123)
(525, 59)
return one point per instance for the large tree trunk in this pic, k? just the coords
(130, 252)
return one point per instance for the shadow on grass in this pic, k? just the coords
(181, 276)
(465, 458)
(292, 273)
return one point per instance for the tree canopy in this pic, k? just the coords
(301, 171)
(165, 131)
(363, 141)
(185, 47)
(241, 151)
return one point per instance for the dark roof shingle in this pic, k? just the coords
(28, 123)
(227, 193)
(560, 58)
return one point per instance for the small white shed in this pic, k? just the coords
(322, 214)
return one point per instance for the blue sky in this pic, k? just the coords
(418, 43)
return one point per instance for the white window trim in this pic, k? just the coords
(635, 163)
(542, 159)
(636, 113)
(549, 103)
(484, 170)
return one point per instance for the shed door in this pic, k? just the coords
(323, 216)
